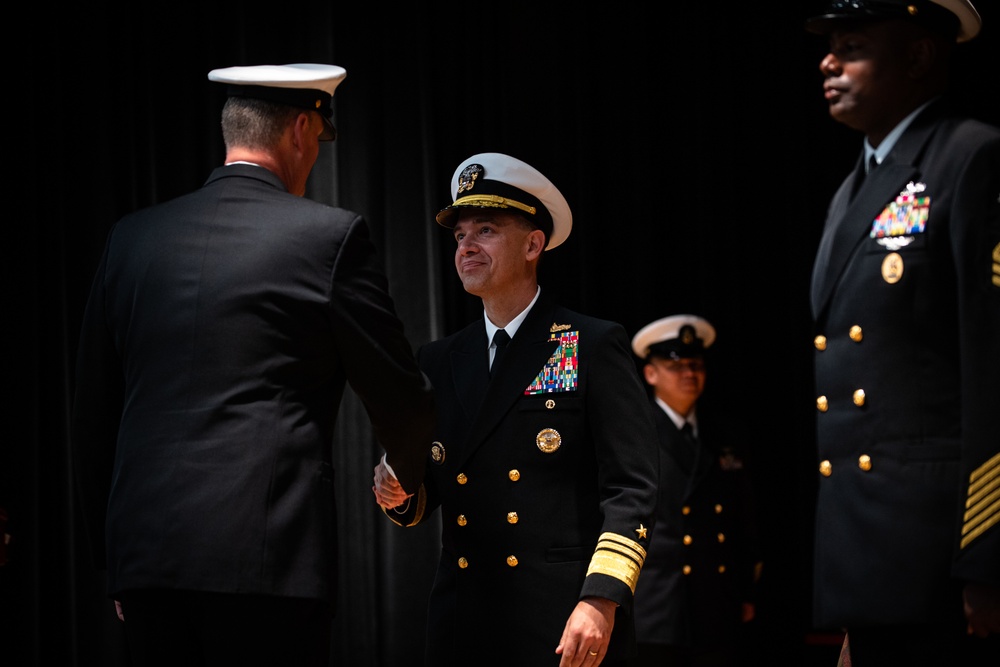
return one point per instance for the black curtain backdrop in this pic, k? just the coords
(691, 140)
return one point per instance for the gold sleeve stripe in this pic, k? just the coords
(618, 557)
(982, 507)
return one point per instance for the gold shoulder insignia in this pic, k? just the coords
(982, 505)
(559, 327)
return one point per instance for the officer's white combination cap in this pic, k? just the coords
(677, 336)
(495, 180)
(301, 85)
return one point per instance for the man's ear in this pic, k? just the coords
(300, 129)
(649, 372)
(923, 55)
(536, 243)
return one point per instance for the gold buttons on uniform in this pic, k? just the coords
(550, 404)
(686, 569)
(859, 397)
(685, 510)
(461, 479)
(512, 561)
(820, 343)
(865, 462)
(511, 517)
(687, 539)
(722, 569)
(721, 538)
(855, 334)
(825, 468)
(514, 475)
(463, 563)
(462, 520)
(822, 404)
(718, 509)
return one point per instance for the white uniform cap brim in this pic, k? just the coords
(969, 19)
(299, 75)
(668, 328)
(500, 167)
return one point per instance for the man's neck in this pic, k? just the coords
(503, 307)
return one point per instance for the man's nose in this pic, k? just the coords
(829, 65)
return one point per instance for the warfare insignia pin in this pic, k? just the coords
(892, 268)
(548, 440)
(437, 453)
(467, 179)
(559, 327)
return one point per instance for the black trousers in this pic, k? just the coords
(199, 629)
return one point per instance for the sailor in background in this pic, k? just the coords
(696, 593)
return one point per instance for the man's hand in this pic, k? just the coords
(587, 633)
(388, 491)
(982, 608)
(118, 608)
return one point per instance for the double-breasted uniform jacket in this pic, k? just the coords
(704, 555)
(906, 301)
(546, 482)
(216, 343)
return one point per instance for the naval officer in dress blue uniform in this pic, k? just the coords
(221, 330)
(697, 592)
(543, 465)
(906, 302)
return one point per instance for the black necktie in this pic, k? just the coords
(500, 340)
(872, 163)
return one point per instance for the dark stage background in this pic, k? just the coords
(691, 140)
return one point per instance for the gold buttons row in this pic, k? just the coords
(858, 397)
(514, 475)
(463, 562)
(687, 539)
(864, 463)
(687, 509)
(687, 569)
(855, 333)
(463, 520)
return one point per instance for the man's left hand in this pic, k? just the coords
(587, 633)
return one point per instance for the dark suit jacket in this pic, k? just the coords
(217, 340)
(704, 554)
(521, 525)
(908, 379)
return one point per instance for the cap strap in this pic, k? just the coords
(494, 200)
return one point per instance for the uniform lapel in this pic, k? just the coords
(850, 220)
(526, 354)
(470, 368)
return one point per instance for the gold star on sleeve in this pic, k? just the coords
(641, 531)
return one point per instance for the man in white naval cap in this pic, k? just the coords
(543, 462)
(697, 592)
(905, 299)
(221, 329)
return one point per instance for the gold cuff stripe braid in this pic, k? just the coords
(618, 557)
(982, 507)
(495, 201)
